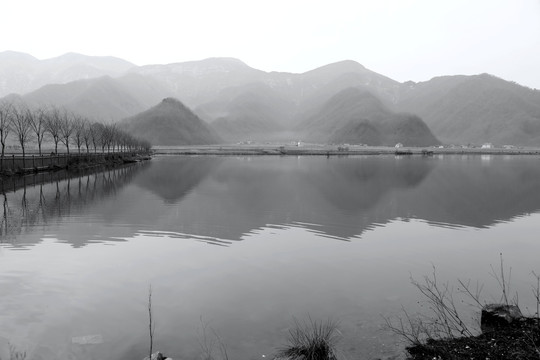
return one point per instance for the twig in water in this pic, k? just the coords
(151, 323)
(208, 343)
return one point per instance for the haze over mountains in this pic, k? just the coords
(21, 73)
(338, 103)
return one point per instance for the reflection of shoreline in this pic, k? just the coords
(15, 182)
(32, 202)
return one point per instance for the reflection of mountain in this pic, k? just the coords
(476, 191)
(173, 178)
(368, 180)
(243, 194)
(337, 197)
(36, 205)
(212, 198)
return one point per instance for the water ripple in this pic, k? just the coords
(177, 235)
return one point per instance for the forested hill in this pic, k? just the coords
(170, 123)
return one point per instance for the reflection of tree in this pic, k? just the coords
(11, 221)
(4, 224)
(44, 197)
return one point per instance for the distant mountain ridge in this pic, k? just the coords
(103, 98)
(22, 73)
(243, 103)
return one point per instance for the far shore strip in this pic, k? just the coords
(336, 150)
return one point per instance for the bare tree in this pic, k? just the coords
(87, 134)
(66, 128)
(21, 126)
(38, 119)
(107, 138)
(124, 140)
(79, 127)
(96, 134)
(6, 119)
(113, 136)
(53, 124)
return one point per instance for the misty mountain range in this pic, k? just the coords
(338, 103)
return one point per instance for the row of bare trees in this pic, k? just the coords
(59, 125)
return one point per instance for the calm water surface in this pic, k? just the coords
(241, 245)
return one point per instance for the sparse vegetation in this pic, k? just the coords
(210, 343)
(444, 333)
(15, 354)
(311, 340)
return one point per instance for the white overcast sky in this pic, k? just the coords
(403, 39)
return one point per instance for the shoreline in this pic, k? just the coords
(333, 150)
(75, 162)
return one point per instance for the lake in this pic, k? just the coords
(236, 248)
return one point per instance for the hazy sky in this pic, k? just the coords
(403, 39)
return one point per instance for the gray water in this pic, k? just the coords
(235, 248)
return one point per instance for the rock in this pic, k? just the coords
(157, 356)
(498, 315)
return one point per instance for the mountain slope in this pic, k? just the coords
(170, 123)
(17, 71)
(269, 108)
(196, 82)
(243, 102)
(22, 73)
(250, 112)
(201, 82)
(356, 116)
(102, 98)
(475, 109)
(328, 80)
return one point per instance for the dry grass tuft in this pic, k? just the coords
(311, 340)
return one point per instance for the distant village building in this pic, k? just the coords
(487, 146)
